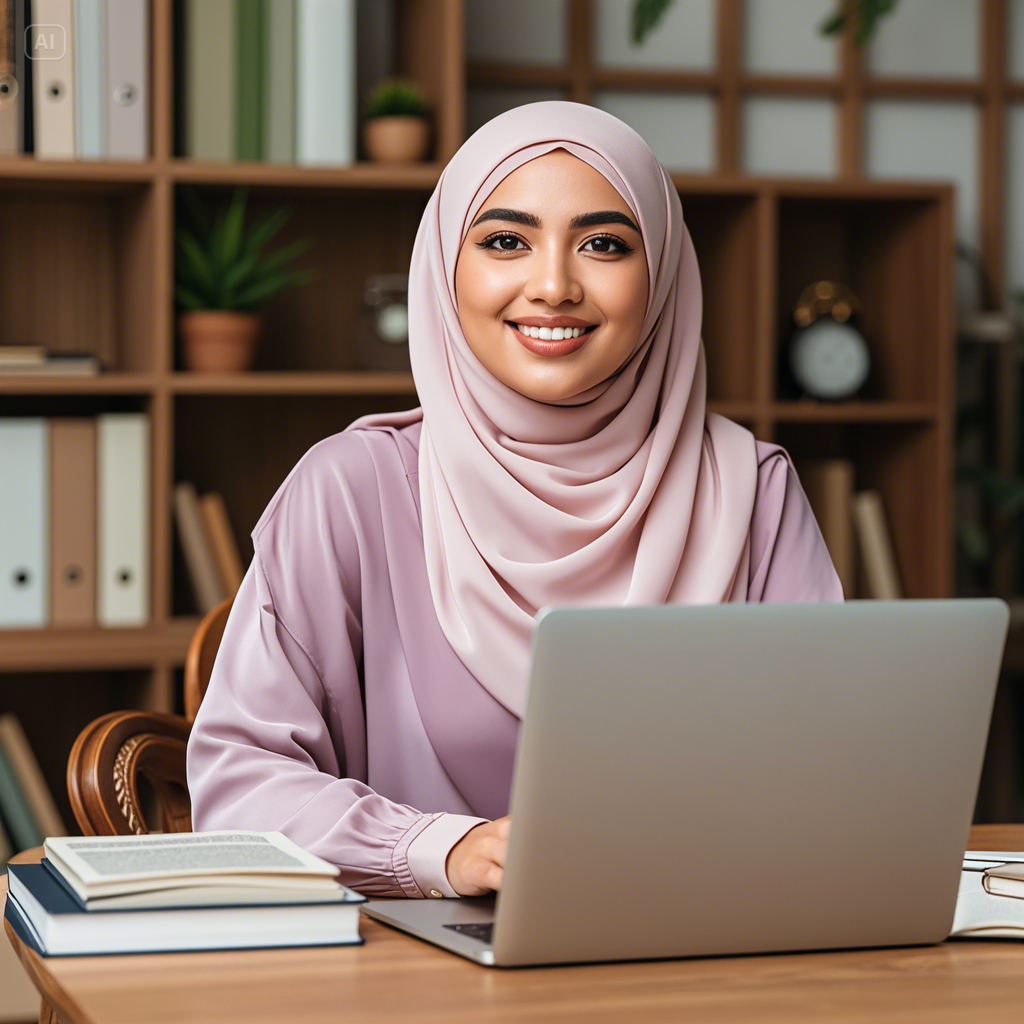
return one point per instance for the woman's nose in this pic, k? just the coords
(552, 277)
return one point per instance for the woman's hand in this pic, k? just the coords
(476, 863)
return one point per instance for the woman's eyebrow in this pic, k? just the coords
(581, 220)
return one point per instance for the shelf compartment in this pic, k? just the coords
(888, 249)
(80, 274)
(295, 382)
(313, 327)
(905, 463)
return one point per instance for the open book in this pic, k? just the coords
(192, 869)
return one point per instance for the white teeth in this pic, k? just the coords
(550, 333)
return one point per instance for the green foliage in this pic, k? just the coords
(220, 264)
(866, 15)
(396, 96)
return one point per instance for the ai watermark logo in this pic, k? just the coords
(45, 42)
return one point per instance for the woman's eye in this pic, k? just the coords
(488, 243)
(606, 244)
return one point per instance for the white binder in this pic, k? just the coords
(325, 82)
(127, 112)
(24, 521)
(122, 493)
(52, 38)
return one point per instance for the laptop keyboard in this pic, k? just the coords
(481, 931)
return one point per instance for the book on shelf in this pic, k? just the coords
(177, 892)
(29, 775)
(225, 551)
(197, 547)
(272, 80)
(877, 557)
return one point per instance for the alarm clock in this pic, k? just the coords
(828, 356)
(382, 339)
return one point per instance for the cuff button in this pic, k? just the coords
(437, 895)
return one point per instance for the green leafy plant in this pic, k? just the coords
(866, 15)
(397, 97)
(221, 263)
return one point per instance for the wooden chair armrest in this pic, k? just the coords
(106, 760)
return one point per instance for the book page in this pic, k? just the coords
(98, 860)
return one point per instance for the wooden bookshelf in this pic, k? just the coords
(94, 271)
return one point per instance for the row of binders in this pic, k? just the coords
(271, 80)
(74, 78)
(179, 892)
(74, 520)
(27, 808)
(855, 528)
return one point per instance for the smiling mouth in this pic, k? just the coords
(550, 333)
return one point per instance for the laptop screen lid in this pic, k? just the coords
(735, 778)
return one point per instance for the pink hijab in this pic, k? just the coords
(627, 494)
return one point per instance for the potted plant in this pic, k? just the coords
(396, 127)
(222, 277)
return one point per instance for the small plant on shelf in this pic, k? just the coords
(223, 277)
(396, 127)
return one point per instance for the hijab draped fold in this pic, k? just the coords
(630, 493)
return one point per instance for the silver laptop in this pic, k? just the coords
(736, 778)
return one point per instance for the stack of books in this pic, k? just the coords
(990, 903)
(33, 360)
(74, 520)
(181, 892)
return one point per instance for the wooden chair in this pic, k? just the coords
(115, 749)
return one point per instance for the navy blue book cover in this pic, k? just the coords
(57, 901)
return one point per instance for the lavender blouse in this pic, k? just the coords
(337, 712)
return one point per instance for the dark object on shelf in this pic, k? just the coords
(382, 341)
(827, 354)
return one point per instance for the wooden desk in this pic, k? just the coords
(396, 978)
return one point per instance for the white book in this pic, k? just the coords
(982, 915)
(24, 521)
(127, 79)
(325, 82)
(122, 495)
(90, 70)
(51, 38)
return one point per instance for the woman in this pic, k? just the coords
(368, 690)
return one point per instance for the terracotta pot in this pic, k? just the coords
(396, 139)
(218, 340)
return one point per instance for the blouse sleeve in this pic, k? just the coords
(272, 748)
(788, 557)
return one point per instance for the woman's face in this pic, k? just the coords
(554, 251)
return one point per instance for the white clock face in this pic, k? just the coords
(829, 359)
(393, 323)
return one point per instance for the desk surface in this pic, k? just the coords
(396, 978)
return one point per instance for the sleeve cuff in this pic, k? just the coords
(430, 848)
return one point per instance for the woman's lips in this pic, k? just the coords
(541, 347)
